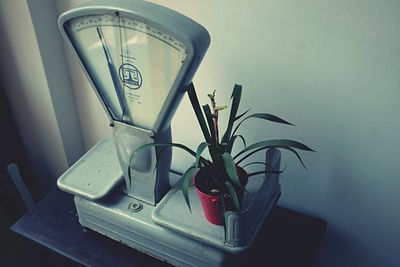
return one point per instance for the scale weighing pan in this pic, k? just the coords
(139, 58)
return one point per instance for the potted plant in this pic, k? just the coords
(221, 179)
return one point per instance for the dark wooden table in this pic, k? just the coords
(288, 238)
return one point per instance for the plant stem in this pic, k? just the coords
(215, 116)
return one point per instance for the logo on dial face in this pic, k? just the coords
(130, 76)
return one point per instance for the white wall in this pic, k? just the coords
(36, 80)
(24, 81)
(332, 68)
(53, 57)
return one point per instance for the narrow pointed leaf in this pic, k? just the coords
(230, 168)
(221, 148)
(197, 109)
(185, 185)
(268, 117)
(232, 141)
(129, 178)
(275, 143)
(236, 95)
(296, 154)
(150, 145)
(210, 122)
(147, 146)
(160, 152)
(256, 162)
(241, 115)
(263, 172)
(222, 199)
(199, 151)
(263, 148)
(234, 196)
(223, 208)
(263, 116)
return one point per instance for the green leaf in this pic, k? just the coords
(230, 168)
(256, 162)
(274, 143)
(233, 194)
(241, 115)
(284, 144)
(185, 185)
(197, 109)
(263, 172)
(210, 122)
(232, 141)
(297, 155)
(263, 116)
(268, 166)
(236, 95)
(221, 148)
(150, 145)
(159, 154)
(223, 208)
(129, 177)
(199, 151)
(222, 199)
(266, 147)
(147, 146)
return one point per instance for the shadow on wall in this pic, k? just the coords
(12, 82)
(340, 246)
(351, 242)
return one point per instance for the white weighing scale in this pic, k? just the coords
(139, 57)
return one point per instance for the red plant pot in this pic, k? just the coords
(212, 206)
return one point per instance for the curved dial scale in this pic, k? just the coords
(133, 65)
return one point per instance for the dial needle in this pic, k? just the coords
(113, 73)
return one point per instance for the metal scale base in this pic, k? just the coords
(168, 231)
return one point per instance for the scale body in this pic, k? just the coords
(139, 57)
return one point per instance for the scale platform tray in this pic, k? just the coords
(169, 231)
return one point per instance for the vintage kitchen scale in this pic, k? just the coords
(139, 58)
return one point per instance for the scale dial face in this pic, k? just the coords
(133, 65)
